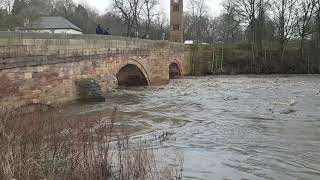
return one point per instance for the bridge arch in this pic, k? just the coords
(174, 70)
(132, 74)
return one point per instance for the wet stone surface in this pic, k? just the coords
(228, 127)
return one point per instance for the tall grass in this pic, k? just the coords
(47, 146)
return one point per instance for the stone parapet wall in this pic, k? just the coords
(32, 49)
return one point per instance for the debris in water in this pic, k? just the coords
(231, 99)
(293, 103)
(271, 110)
(288, 111)
(164, 136)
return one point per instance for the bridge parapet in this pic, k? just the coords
(32, 49)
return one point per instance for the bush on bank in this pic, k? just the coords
(244, 58)
(48, 146)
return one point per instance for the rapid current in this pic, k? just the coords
(229, 127)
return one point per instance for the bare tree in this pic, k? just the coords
(130, 11)
(160, 26)
(317, 23)
(284, 19)
(198, 19)
(150, 13)
(161, 21)
(64, 8)
(304, 11)
(18, 6)
(113, 21)
(261, 23)
(253, 14)
(85, 18)
(6, 5)
(229, 27)
(247, 10)
(37, 8)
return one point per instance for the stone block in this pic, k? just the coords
(28, 75)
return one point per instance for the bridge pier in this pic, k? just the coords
(89, 90)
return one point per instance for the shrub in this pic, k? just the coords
(45, 145)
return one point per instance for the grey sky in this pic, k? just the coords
(102, 5)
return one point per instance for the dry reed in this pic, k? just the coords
(45, 145)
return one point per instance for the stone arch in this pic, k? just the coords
(174, 70)
(132, 74)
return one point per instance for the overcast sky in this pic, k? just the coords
(102, 5)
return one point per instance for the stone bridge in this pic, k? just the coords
(44, 68)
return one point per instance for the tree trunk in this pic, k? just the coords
(282, 49)
(302, 44)
(128, 30)
(252, 32)
(282, 30)
(318, 33)
(148, 27)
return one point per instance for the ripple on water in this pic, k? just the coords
(231, 127)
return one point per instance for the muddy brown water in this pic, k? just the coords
(228, 127)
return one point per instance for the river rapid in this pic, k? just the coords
(228, 127)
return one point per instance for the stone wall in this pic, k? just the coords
(200, 58)
(43, 68)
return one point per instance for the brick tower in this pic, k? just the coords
(176, 21)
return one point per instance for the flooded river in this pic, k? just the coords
(230, 127)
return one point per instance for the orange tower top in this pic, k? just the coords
(176, 21)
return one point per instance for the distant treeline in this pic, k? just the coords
(260, 36)
(244, 59)
(146, 21)
(287, 29)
